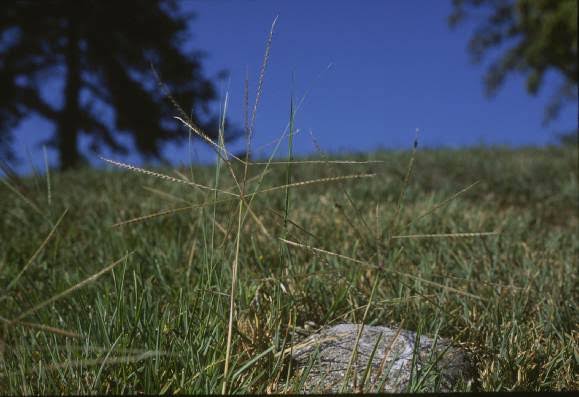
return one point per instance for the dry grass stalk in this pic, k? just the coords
(75, 287)
(322, 251)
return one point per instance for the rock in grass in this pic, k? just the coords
(388, 360)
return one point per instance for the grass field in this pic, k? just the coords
(156, 318)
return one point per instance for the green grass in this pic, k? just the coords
(158, 320)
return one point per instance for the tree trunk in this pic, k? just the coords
(68, 125)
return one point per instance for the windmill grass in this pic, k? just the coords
(229, 262)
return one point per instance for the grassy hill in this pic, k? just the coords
(155, 319)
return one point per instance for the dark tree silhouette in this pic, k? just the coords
(102, 52)
(536, 36)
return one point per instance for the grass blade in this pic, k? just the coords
(68, 291)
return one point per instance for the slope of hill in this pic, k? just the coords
(119, 282)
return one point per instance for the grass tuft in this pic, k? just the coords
(478, 245)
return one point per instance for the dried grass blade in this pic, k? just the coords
(153, 215)
(42, 327)
(443, 203)
(71, 289)
(112, 360)
(460, 292)
(386, 354)
(314, 181)
(36, 253)
(23, 197)
(48, 328)
(166, 195)
(318, 161)
(447, 235)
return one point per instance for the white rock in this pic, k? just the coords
(397, 362)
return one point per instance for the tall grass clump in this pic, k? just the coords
(202, 279)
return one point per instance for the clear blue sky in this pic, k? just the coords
(395, 67)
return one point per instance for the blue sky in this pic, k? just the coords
(375, 71)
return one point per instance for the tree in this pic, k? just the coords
(102, 52)
(536, 35)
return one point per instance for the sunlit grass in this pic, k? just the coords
(159, 321)
(228, 264)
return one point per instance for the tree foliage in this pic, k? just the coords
(536, 36)
(101, 52)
